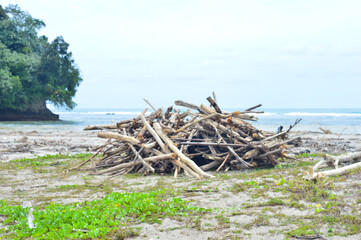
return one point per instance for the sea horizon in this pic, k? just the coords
(338, 120)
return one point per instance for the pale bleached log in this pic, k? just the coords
(224, 161)
(197, 121)
(252, 153)
(319, 164)
(335, 160)
(125, 139)
(131, 164)
(154, 134)
(334, 172)
(211, 165)
(151, 105)
(164, 148)
(349, 157)
(137, 156)
(188, 105)
(100, 127)
(207, 109)
(182, 157)
(344, 158)
(246, 117)
(173, 118)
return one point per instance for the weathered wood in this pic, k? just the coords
(189, 105)
(224, 139)
(124, 138)
(251, 108)
(212, 144)
(214, 105)
(130, 164)
(210, 165)
(196, 121)
(145, 100)
(100, 127)
(334, 172)
(207, 110)
(140, 158)
(225, 160)
(182, 157)
(335, 160)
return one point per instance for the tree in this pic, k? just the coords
(32, 70)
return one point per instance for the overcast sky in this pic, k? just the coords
(283, 54)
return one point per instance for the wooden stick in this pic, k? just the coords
(189, 105)
(90, 159)
(334, 172)
(214, 97)
(251, 108)
(154, 134)
(206, 109)
(233, 152)
(225, 160)
(210, 165)
(212, 144)
(130, 164)
(285, 132)
(214, 104)
(279, 150)
(140, 158)
(196, 121)
(100, 127)
(125, 139)
(182, 157)
(270, 157)
(150, 104)
(165, 149)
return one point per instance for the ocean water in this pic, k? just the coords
(347, 121)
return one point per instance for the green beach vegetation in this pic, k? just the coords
(108, 216)
(33, 71)
(78, 205)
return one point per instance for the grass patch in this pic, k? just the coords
(94, 219)
(40, 161)
(308, 155)
(311, 191)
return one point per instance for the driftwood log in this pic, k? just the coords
(196, 139)
(329, 160)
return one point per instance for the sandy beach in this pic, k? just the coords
(242, 212)
(23, 144)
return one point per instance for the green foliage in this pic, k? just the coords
(93, 219)
(32, 70)
(308, 155)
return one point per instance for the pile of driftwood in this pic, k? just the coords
(195, 140)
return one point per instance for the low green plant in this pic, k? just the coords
(40, 161)
(94, 219)
(309, 155)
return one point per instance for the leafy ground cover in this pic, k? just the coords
(94, 219)
(255, 204)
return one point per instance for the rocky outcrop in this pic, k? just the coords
(14, 115)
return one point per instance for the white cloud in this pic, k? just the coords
(162, 49)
